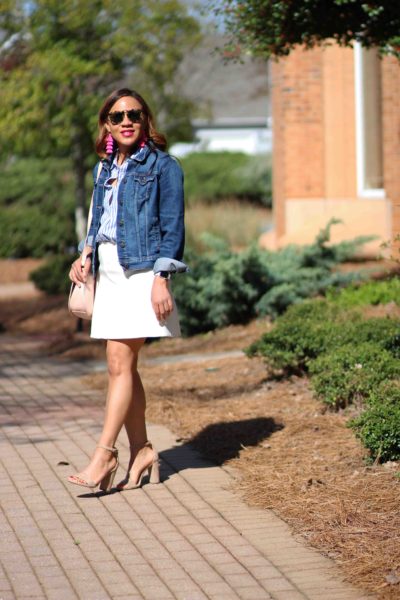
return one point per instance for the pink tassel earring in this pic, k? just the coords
(109, 144)
(143, 142)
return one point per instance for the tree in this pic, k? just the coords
(273, 28)
(60, 58)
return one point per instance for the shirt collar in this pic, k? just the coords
(138, 155)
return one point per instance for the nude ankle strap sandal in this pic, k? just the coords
(105, 484)
(152, 468)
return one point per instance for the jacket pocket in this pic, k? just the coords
(142, 179)
(143, 185)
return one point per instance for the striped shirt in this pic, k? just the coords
(108, 223)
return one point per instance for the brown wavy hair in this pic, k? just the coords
(154, 137)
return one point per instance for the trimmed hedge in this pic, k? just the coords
(378, 427)
(350, 373)
(214, 176)
(349, 358)
(305, 331)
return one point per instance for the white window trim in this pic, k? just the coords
(362, 191)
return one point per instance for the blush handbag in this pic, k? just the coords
(81, 299)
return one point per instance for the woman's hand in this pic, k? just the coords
(78, 274)
(161, 298)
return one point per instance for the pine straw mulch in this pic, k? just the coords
(293, 456)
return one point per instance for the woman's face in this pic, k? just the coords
(129, 131)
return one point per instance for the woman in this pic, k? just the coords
(135, 242)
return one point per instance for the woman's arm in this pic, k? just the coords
(171, 215)
(78, 274)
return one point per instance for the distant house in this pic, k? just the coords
(249, 135)
(232, 99)
(336, 122)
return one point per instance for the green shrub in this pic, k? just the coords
(222, 288)
(314, 327)
(226, 287)
(392, 343)
(369, 293)
(52, 277)
(349, 358)
(304, 332)
(212, 176)
(378, 427)
(351, 372)
(36, 207)
(306, 271)
(32, 231)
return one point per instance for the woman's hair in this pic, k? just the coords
(153, 136)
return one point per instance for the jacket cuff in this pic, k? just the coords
(169, 264)
(85, 242)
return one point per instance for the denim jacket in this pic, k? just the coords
(150, 213)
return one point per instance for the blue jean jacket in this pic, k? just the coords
(150, 214)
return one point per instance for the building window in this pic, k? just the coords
(368, 122)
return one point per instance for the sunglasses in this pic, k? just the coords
(116, 117)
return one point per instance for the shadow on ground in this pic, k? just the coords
(220, 442)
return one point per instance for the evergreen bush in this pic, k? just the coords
(52, 277)
(351, 372)
(350, 359)
(378, 427)
(213, 176)
(36, 208)
(304, 332)
(225, 287)
(368, 293)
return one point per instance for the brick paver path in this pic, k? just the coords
(189, 538)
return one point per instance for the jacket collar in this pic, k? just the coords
(140, 156)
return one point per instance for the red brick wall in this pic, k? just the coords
(297, 112)
(391, 136)
(313, 108)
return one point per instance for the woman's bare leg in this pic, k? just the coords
(122, 356)
(135, 423)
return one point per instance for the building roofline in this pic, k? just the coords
(236, 122)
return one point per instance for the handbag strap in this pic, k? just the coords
(90, 215)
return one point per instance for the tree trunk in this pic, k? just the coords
(78, 159)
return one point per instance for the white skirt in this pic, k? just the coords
(122, 306)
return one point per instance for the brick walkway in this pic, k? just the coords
(189, 538)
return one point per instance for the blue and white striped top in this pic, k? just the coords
(108, 224)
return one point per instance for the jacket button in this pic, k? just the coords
(120, 203)
(124, 180)
(122, 244)
(121, 223)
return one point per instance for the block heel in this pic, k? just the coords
(134, 476)
(154, 472)
(105, 483)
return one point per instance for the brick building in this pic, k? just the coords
(336, 126)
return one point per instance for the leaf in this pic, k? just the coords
(392, 578)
